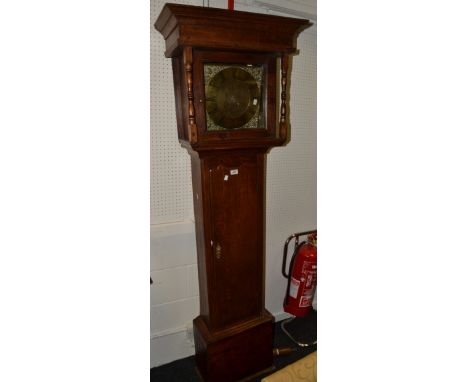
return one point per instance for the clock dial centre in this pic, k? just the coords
(233, 98)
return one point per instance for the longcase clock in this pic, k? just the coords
(230, 73)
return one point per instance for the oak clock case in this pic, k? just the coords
(225, 66)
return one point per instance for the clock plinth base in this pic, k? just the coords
(235, 353)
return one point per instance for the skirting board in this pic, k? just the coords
(171, 345)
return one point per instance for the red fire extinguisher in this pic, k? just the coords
(302, 276)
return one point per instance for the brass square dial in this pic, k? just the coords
(233, 96)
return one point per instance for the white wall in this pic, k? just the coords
(290, 196)
(174, 293)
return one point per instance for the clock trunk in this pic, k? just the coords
(228, 200)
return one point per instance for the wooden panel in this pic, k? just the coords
(198, 200)
(237, 278)
(229, 213)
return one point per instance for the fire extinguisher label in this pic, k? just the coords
(307, 267)
(294, 287)
(309, 272)
(306, 301)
